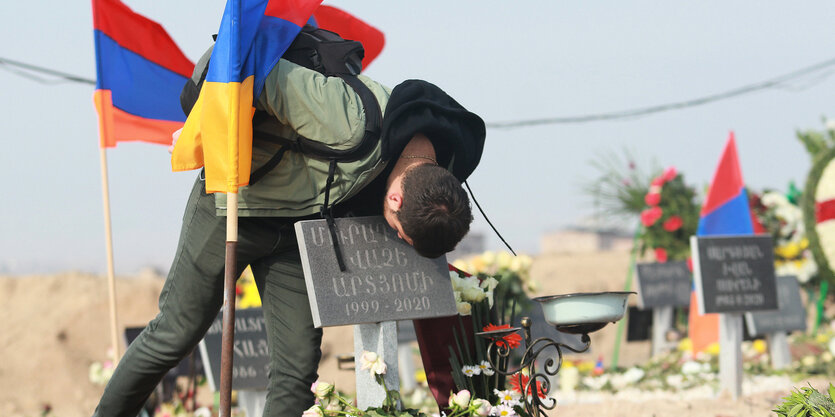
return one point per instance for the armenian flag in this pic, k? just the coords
(350, 27)
(726, 212)
(140, 73)
(218, 132)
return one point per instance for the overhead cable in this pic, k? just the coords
(13, 66)
(779, 81)
(642, 111)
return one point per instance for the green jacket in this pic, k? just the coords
(324, 109)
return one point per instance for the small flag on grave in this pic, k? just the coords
(726, 212)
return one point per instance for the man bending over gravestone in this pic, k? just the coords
(411, 174)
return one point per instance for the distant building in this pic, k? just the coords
(581, 239)
(472, 244)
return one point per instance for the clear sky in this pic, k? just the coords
(503, 60)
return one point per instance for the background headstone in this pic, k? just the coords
(774, 324)
(662, 286)
(665, 284)
(251, 358)
(789, 316)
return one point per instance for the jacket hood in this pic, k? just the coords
(417, 106)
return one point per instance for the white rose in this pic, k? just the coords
(464, 308)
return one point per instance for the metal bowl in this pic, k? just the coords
(567, 311)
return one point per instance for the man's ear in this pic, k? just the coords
(394, 201)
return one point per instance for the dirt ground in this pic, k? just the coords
(55, 326)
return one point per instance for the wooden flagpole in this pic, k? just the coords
(111, 280)
(228, 335)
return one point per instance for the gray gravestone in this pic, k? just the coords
(250, 362)
(662, 286)
(385, 280)
(774, 324)
(665, 284)
(733, 274)
(789, 316)
(251, 355)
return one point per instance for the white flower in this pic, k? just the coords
(503, 410)
(489, 284)
(633, 375)
(473, 294)
(808, 360)
(508, 397)
(314, 411)
(461, 399)
(464, 308)
(675, 381)
(203, 412)
(691, 367)
(596, 383)
(333, 409)
(471, 370)
(482, 407)
(485, 368)
(372, 362)
(321, 389)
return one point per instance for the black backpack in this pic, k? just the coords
(328, 53)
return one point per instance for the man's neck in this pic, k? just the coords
(418, 151)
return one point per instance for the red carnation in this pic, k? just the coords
(652, 199)
(673, 223)
(669, 174)
(657, 182)
(661, 254)
(650, 216)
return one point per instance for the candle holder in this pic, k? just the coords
(579, 313)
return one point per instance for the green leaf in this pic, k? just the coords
(795, 410)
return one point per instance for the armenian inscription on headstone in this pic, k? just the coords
(663, 284)
(734, 273)
(385, 278)
(251, 356)
(789, 317)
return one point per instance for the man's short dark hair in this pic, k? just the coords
(435, 212)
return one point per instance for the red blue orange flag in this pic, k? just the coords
(726, 211)
(140, 73)
(218, 132)
(350, 27)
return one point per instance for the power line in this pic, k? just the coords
(779, 81)
(13, 66)
(642, 111)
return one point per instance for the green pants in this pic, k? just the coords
(191, 299)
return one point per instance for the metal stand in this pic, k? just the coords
(535, 391)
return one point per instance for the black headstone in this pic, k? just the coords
(790, 315)
(734, 273)
(251, 355)
(638, 324)
(385, 280)
(665, 284)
